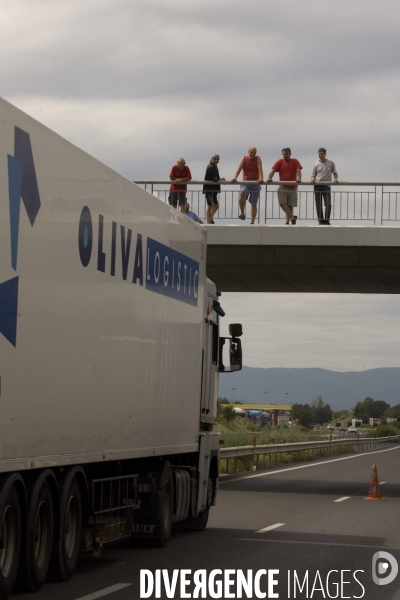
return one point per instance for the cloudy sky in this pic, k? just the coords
(138, 83)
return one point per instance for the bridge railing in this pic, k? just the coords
(353, 203)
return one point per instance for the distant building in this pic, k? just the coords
(265, 414)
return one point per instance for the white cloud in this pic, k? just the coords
(330, 331)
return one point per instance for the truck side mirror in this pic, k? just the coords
(235, 354)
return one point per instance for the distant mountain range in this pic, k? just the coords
(287, 386)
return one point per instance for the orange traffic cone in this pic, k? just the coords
(374, 493)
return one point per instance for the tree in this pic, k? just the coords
(370, 408)
(223, 400)
(393, 413)
(228, 413)
(322, 412)
(378, 408)
(303, 413)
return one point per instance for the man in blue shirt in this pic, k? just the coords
(192, 215)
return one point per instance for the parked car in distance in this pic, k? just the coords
(330, 427)
(342, 430)
(352, 429)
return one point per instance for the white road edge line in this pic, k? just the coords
(263, 474)
(270, 527)
(382, 482)
(341, 499)
(105, 591)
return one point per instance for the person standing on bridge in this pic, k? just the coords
(252, 171)
(289, 169)
(323, 171)
(211, 190)
(180, 175)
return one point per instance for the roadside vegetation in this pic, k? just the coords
(236, 431)
(387, 429)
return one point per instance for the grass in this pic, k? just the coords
(245, 434)
(386, 430)
(242, 433)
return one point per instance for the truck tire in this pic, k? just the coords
(165, 508)
(10, 542)
(199, 522)
(35, 557)
(67, 544)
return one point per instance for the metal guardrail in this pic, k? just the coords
(328, 447)
(376, 203)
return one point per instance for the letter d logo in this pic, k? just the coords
(380, 565)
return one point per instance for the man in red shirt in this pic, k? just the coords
(252, 171)
(289, 169)
(180, 175)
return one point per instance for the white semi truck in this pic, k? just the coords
(110, 353)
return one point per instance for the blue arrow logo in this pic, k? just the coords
(9, 309)
(22, 183)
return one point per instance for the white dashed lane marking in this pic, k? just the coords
(270, 527)
(105, 591)
(341, 499)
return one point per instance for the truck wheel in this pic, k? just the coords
(166, 503)
(66, 546)
(10, 542)
(35, 558)
(199, 522)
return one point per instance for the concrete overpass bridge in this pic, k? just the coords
(359, 253)
(275, 258)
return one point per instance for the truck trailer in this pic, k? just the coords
(110, 353)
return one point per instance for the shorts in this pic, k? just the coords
(252, 192)
(176, 198)
(212, 198)
(287, 196)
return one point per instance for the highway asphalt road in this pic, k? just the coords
(303, 521)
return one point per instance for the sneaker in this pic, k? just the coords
(293, 220)
(242, 217)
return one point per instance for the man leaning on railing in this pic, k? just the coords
(180, 175)
(289, 169)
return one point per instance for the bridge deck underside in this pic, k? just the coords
(307, 269)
